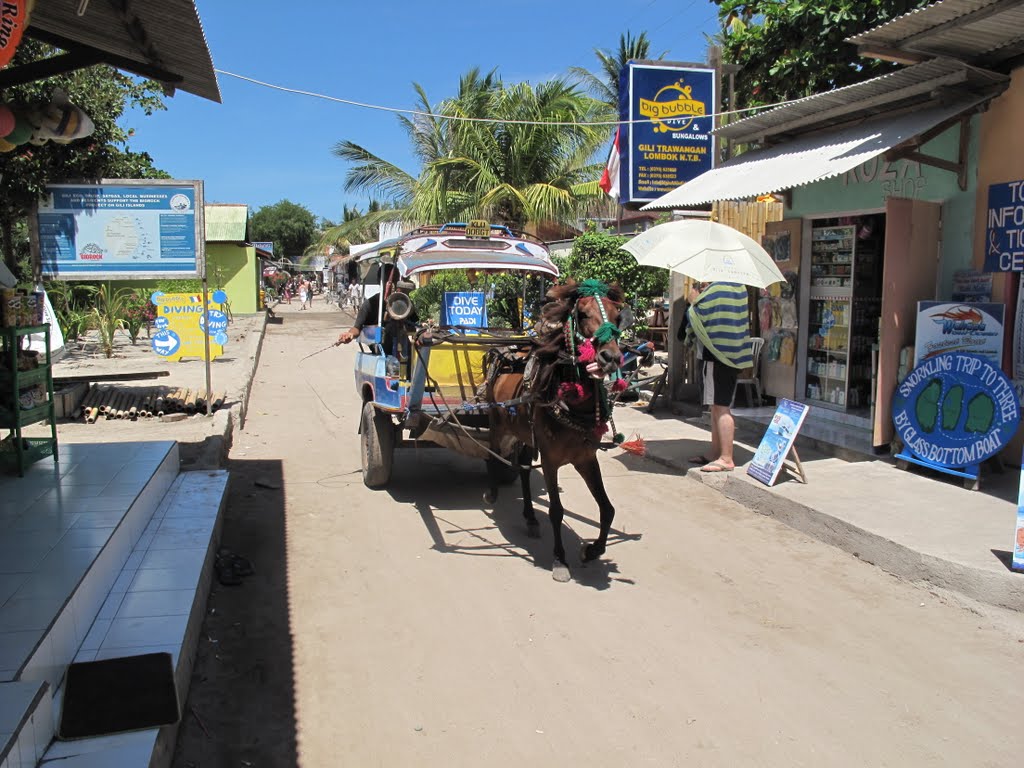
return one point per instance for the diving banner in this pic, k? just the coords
(668, 114)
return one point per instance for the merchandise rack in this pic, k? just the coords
(16, 450)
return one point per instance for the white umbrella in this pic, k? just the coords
(707, 252)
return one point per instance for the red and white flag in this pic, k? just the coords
(610, 178)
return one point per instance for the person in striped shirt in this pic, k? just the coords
(718, 324)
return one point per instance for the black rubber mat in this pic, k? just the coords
(114, 695)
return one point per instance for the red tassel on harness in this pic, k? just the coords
(619, 385)
(570, 391)
(601, 429)
(586, 352)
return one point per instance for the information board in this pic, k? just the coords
(465, 308)
(667, 112)
(121, 229)
(777, 441)
(944, 327)
(1004, 227)
(179, 326)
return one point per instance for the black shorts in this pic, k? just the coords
(719, 382)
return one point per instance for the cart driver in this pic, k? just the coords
(370, 308)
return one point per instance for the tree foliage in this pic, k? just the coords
(789, 49)
(604, 84)
(290, 226)
(599, 256)
(104, 94)
(503, 170)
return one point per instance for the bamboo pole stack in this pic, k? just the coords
(113, 402)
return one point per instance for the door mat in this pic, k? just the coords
(114, 695)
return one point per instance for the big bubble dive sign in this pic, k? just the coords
(953, 412)
(179, 327)
(667, 114)
(465, 308)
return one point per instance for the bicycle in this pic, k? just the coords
(635, 359)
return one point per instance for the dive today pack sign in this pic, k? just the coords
(956, 410)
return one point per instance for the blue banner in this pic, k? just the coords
(103, 231)
(465, 308)
(668, 113)
(1004, 228)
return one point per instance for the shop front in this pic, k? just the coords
(874, 241)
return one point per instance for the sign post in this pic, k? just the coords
(954, 411)
(467, 309)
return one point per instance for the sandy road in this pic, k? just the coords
(415, 627)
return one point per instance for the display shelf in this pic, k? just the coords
(16, 450)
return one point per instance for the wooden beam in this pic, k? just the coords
(890, 54)
(141, 68)
(44, 68)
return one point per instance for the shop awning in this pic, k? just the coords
(988, 33)
(809, 158)
(157, 39)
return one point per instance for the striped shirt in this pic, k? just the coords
(719, 319)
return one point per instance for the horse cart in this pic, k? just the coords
(505, 395)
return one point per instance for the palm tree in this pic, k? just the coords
(509, 162)
(604, 84)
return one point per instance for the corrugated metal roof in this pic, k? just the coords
(983, 32)
(896, 90)
(226, 223)
(165, 34)
(807, 159)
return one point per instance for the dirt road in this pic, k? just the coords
(415, 627)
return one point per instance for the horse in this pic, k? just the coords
(550, 400)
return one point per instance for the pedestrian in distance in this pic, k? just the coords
(718, 324)
(303, 294)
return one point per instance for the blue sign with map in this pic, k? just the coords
(954, 411)
(104, 231)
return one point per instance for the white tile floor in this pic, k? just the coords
(82, 515)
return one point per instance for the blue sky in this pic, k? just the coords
(261, 146)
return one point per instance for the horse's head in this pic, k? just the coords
(591, 316)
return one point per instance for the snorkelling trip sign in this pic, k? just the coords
(668, 116)
(955, 410)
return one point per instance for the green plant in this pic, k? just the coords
(600, 256)
(71, 305)
(429, 299)
(180, 285)
(108, 315)
(139, 311)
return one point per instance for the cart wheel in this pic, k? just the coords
(377, 443)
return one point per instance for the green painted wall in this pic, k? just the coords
(234, 268)
(867, 187)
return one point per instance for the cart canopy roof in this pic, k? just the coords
(461, 246)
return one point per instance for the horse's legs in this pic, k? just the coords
(559, 569)
(590, 471)
(493, 480)
(525, 456)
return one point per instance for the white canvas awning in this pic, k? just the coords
(809, 158)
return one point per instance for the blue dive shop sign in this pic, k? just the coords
(954, 411)
(465, 308)
(1004, 228)
(668, 114)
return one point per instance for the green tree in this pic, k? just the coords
(290, 226)
(505, 170)
(604, 84)
(599, 256)
(789, 49)
(104, 94)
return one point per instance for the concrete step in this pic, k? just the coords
(156, 604)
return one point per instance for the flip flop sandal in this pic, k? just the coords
(715, 466)
(701, 460)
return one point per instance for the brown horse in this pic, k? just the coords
(556, 404)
